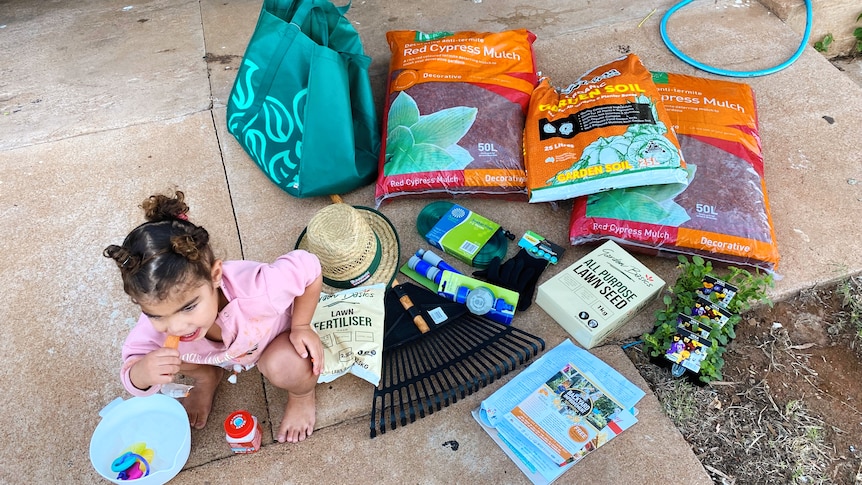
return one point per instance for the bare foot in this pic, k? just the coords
(299, 415)
(199, 402)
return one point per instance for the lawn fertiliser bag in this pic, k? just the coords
(350, 326)
(454, 114)
(723, 213)
(606, 130)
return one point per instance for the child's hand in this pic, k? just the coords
(307, 344)
(157, 367)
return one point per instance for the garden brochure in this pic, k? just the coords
(560, 408)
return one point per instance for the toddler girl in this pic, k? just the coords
(228, 314)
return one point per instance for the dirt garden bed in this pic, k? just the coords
(789, 406)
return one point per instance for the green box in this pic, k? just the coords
(462, 233)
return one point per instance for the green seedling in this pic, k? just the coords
(851, 304)
(823, 44)
(681, 298)
(858, 34)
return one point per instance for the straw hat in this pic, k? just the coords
(356, 246)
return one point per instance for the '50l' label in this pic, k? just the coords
(487, 150)
(706, 211)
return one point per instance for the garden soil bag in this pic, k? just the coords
(454, 114)
(606, 130)
(723, 213)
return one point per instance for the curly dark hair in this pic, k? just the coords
(164, 252)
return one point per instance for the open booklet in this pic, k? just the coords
(556, 411)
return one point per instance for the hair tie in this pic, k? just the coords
(183, 216)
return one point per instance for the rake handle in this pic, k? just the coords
(407, 303)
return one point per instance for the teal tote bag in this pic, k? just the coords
(301, 105)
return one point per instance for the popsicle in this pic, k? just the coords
(172, 342)
(174, 389)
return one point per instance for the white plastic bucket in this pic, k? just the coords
(158, 420)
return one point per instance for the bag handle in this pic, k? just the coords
(306, 5)
(318, 18)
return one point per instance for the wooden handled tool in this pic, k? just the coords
(407, 303)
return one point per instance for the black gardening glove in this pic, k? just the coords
(519, 274)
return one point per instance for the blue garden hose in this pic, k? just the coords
(631, 344)
(725, 72)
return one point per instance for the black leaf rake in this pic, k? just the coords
(425, 372)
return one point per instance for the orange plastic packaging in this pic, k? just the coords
(607, 130)
(454, 114)
(723, 214)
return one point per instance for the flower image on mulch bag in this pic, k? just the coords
(454, 114)
(350, 326)
(607, 130)
(723, 212)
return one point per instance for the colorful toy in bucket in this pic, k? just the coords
(149, 435)
(134, 463)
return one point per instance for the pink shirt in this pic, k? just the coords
(260, 299)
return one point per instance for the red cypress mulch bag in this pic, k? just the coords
(607, 130)
(454, 114)
(723, 213)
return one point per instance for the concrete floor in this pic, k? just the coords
(104, 103)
